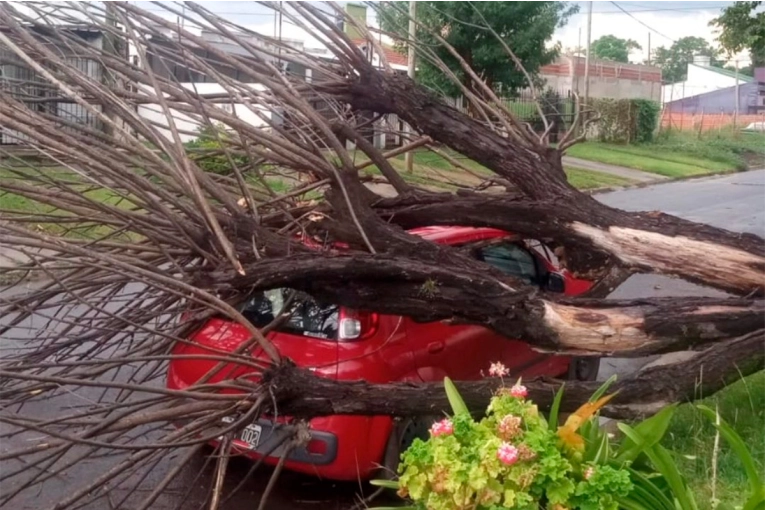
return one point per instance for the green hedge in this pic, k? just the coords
(626, 120)
(207, 151)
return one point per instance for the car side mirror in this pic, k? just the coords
(556, 282)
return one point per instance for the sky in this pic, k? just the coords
(665, 20)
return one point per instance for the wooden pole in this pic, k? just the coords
(410, 68)
(735, 111)
(587, 55)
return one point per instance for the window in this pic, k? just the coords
(511, 259)
(306, 316)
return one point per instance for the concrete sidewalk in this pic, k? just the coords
(13, 258)
(620, 171)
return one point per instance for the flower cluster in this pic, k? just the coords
(442, 428)
(509, 459)
(498, 370)
(519, 391)
(509, 427)
(507, 454)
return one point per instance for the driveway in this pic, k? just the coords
(735, 202)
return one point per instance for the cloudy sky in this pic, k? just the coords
(666, 21)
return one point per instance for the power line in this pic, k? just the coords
(645, 25)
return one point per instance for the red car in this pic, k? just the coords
(344, 344)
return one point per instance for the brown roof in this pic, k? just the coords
(391, 55)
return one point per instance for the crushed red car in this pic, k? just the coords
(344, 344)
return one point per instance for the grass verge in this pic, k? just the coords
(588, 179)
(681, 154)
(690, 438)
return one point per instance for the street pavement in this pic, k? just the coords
(735, 202)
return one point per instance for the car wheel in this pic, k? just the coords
(403, 434)
(584, 368)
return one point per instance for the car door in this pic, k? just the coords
(463, 351)
(517, 260)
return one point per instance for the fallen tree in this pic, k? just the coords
(135, 230)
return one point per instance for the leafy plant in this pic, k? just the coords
(513, 458)
(208, 151)
(626, 120)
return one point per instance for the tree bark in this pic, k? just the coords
(678, 377)
(601, 235)
(446, 290)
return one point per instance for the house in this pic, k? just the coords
(20, 81)
(751, 97)
(608, 79)
(701, 78)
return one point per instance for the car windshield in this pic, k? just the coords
(303, 314)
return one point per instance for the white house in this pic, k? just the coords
(188, 125)
(701, 78)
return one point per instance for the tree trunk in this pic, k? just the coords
(594, 234)
(674, 378)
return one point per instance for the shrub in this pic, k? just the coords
(626, 120)
(514, 459)
(207, 151)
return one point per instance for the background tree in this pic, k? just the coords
(610, 47)
(742, 27)
(524, 26)
(675, 59)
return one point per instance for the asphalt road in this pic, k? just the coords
(735, 202)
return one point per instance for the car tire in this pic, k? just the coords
(584, 368)
(402, 435)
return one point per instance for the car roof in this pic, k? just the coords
(457, 235)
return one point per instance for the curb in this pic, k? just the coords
(638, 185)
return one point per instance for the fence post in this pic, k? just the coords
(701, 124)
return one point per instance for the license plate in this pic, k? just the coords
(249, 436)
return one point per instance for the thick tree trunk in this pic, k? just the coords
(465, 294)
(677, 377)
(595, 235)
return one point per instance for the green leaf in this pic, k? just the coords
(652, 430)
(388, 484)
(603, 450)
(742, 452)
(410, 507)
(552, 419)
(756, 502)
(455, 400)
(603, 388)
(662, 461)
(647, 493)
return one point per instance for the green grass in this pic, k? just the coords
(431, 169)
(587, 179)
(680, 154)
(19, 205)
(690, 437)
(648, 159)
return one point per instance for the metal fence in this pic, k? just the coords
(558, 108)
(36, 93)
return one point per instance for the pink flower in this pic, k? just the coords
(441, 428)
(589, 472)
(498, 370)
(519, 391)
(507, 454)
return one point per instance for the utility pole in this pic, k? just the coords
(575, 60)
(114, 46)
(649, 48)
(409, 157)
(587, 55)
(735, 112)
